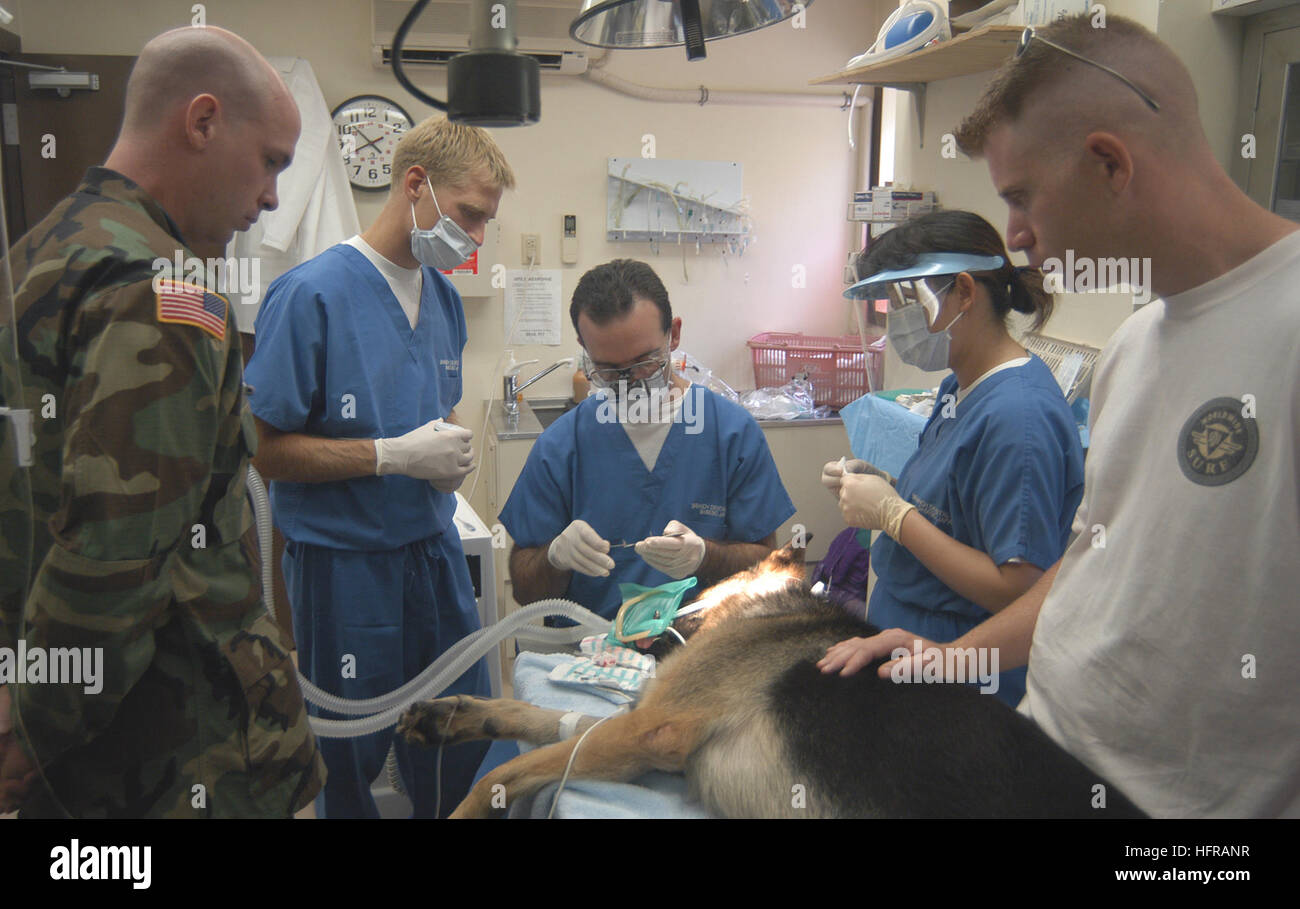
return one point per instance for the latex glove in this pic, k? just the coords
(17, 772)
(832, 473)
(677, 556)
(579, 548)
(435, 451)
(869, 501)
(451, 484)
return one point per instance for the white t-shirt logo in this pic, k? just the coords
(1217, 444)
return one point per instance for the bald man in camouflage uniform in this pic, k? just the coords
(143, 537)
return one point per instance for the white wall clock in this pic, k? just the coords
(368, 127)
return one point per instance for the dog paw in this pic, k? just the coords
(438, 722)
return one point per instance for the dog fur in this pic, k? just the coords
(759, 731)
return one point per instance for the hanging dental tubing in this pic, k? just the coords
(438, 675)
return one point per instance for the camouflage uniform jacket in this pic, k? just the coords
(143, 533)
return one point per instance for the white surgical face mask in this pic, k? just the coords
(445, 245)
(910, 333)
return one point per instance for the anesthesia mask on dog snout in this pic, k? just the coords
(647, 611)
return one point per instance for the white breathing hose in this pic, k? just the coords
(435, 678)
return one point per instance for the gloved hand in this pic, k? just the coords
(579, 548)
(435, 451)
(451, 484)
(869, 501)
(832, 473)
(676, 556)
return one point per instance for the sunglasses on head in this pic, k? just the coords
(1029, 35)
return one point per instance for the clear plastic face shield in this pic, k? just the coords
(905, 285)
(928, 293)
(916, 294)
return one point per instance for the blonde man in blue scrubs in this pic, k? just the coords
(356, 376)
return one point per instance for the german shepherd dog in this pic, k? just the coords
(759, 731)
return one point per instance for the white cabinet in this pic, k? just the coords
(800, 449)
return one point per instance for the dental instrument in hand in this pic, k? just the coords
(623, 545)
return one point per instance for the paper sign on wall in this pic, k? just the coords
(533, 306)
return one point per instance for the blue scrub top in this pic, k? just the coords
(337, 357)
(714, 473)
(1004, 475)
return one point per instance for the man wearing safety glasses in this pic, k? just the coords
(652, 479)
(1151, 635)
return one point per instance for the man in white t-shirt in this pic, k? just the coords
(1166, 650)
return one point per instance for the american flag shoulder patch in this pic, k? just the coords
(190, 304)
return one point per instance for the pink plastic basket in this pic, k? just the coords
(837, 366)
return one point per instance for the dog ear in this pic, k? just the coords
(788, 556)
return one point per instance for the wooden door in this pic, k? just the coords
(57, 138)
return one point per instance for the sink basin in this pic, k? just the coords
(535, 415)
(547, 413)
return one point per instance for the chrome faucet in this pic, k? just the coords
(510, 390)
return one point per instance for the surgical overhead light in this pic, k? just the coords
(490, 85)
(625, 24)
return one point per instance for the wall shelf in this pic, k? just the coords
(675, 202)
(978, 50)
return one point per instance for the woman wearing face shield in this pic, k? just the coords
(985, 504)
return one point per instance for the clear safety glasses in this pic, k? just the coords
(1028, 36)
(609, 376)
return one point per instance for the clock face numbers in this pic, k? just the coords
(367, 128)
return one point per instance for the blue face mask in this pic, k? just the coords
(445, 245)
(910, 333)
